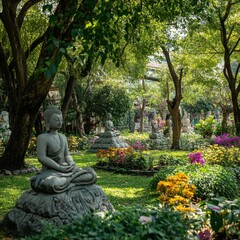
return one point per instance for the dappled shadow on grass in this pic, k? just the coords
(124, 190)
(11, 188)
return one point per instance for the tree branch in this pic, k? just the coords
(234, 47)
(34, 45)
(237, 71)
(24, 10)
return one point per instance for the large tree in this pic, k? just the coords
(27, 86)
(218, 38)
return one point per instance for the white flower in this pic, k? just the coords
(145, 219)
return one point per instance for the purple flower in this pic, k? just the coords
(196, 158)
(204, 235)
(138, 146)
(227, 141)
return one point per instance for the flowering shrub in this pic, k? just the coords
(227, 141)
(223, 156)
(32, 146)
(126, 158)
(177, 191)
(209, 179)
(85, 142)
(196, 157)
(72, 143)
(138, 146)
(129, 224)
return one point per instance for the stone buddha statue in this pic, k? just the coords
(59, 172)
(109, 127)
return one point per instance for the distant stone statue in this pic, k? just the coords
(110, 138)
(186, 125)
(59, 172)
(155, 131)
(109, 127)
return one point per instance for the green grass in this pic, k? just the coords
(121, 189)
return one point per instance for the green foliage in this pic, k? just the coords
(169, 160)
(131, 223)
(219, 129)
(198, 107)
(224, 216)
(108, 98)
(205, 127)
(135, 137)
(209, 180)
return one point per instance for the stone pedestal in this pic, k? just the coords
(33, 209)
(108, 139)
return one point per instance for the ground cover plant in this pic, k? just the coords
(132, 223)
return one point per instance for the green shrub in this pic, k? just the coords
(169, 160)
(205, 127)
(210, 180)
(224, 156)
(132, 223)
(162, 174)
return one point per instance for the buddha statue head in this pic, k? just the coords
(52, 117)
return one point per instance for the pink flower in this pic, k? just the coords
(196, 158)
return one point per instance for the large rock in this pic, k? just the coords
(34, 209)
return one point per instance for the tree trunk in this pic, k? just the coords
(142, 109)
(67, 97)
(173, 106)
(176, 126)
(231, 77)
(71, 82)
(79, 118)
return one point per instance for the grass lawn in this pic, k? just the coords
(121, 189)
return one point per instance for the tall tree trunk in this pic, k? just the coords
(79, 118)
(173, 106)
(67, 96)
(176, 128)
(142, 109)
(226, 110)
(231, 77)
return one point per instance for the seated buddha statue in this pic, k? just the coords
(59, 172)
(109, 127)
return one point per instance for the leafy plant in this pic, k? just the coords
(223, 156)
(224, 216)
(72, 143)
(205, 127)
(131, 223)
(32, 146)
(169, 160)
(210, 180)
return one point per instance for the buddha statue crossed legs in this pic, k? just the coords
(59, 172)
